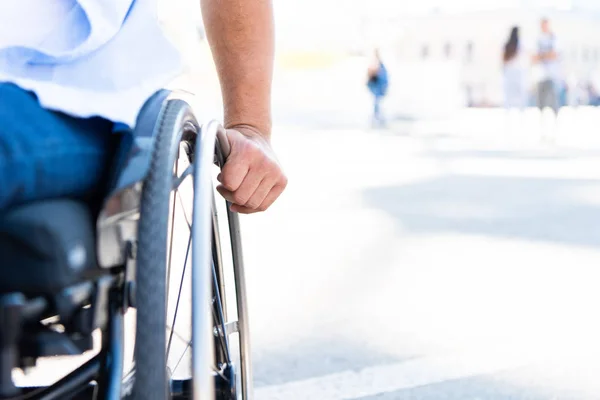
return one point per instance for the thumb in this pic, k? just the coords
(224, 142)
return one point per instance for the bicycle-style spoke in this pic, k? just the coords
(178, 180)
(189, 344)
(185, 216)
(218, 316)
(179, 336)
(187, 252)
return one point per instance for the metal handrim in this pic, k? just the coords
(218, 288)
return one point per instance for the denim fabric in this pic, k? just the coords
(46, 154)
(377, 109)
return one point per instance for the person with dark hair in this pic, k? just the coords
(515, 72)
(377, 83)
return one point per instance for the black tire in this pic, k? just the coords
(151, 381)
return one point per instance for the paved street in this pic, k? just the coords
(426, 262)
(426, 267)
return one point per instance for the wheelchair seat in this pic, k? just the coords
(46, 246)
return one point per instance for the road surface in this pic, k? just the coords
(432, 260)
(403, 265)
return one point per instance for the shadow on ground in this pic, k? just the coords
(313, 358)
(509, 207)
(480, 388)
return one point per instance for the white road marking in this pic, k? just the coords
(375, 380)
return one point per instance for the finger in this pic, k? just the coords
(241, 196)
(227, 194)
(232, 196)
(260, 194)
(247, 188)
(232, 175)
(269, 199)
(243, 210)
(235, 207)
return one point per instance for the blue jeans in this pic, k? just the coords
(377, 116)
(46, 154)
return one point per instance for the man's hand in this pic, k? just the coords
(251, 178)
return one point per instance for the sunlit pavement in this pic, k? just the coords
(469, 270)
(427, 262)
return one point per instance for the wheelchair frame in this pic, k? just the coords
(114, 292)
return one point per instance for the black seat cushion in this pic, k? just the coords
(46, 246)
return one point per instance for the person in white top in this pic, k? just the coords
(515, 67)
(547, 61)
(75, 73)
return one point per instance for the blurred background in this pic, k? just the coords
(447, 247)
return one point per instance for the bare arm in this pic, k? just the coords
(545, 56)
(240, 33)
(549, 55)
(241, 36)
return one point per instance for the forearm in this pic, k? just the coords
(551, 55)
(241, 36)
(548, 56)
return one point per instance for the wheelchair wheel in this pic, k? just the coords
(182, 346)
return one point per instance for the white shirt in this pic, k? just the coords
(548, 70)
(515, 80)
(86, 57)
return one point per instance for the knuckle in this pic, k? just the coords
(229, 180)
(263, 164)
(239, 198)
(226, 181)
(252, 204)
(283, 181)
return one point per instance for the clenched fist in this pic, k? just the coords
(251, 178)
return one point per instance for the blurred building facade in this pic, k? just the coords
(472, 43)
(464, 44)
(441, 54)
(446, 53)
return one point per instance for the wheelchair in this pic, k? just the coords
(72, 274)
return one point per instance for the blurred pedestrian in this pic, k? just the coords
(378, 85)
(515, 72)
(547, 61)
